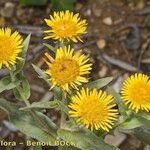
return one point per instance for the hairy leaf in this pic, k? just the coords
(99, 83)
(28, 124)
(84, 140)
(134, 122)
(43, 104)
(143, 133)
(50, 47)
(22, 92)
(19, 66)
(41, 73)
(7, 84)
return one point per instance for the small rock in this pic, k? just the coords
(117, 85)
(134, 142)
(37, 88)
(140, 5)
(115, 140)
(20, 15)
(103, 71)
(79, 6)
(147, 147)
(88, 12)
(108, 21)
(8, 10)
(10, 126)
(47, 96)
(101, 43)
(96, 10)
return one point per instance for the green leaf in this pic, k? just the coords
(84, 140)
(19, 66)
(49, 123)
(33, 2)
(50, 47)
(26, 45)
(17, 94)
(27, 123)
(63, 107)
(41, 73)
(145, 115)
(134, 122)
(99, 83)
(57, 93)
(43, 104)
(7, 84)
(22, 92)
(63, 4)
(122, 107)
(143, 133)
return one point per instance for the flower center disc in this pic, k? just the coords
(141, 92)
(94, 111)
(65, 29)
(65, 71)
(6, 48)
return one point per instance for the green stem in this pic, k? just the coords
(27, 102)
(12, 76)
(63, 115)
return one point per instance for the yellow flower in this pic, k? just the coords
(10, 47)
(68, 68)
(93, 109)
(136, 92)
(65, 26)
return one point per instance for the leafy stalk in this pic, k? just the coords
(63, 115)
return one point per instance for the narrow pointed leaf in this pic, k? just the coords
(22, 92)
(99, 83)
(7, 84)
(45, 105)
(143, 133)
(41, 73)
(49, 47)
(84, 140)
(134, 122)
(19, 66)
(122, 107)
(63, 107)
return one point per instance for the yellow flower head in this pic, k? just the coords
(10, 47)
(93, 109)
(136, 92)
(68, 68)
(65, 26)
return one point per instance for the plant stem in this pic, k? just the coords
(12, 76)
(63, 115)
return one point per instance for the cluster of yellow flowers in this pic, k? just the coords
(94, 108)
